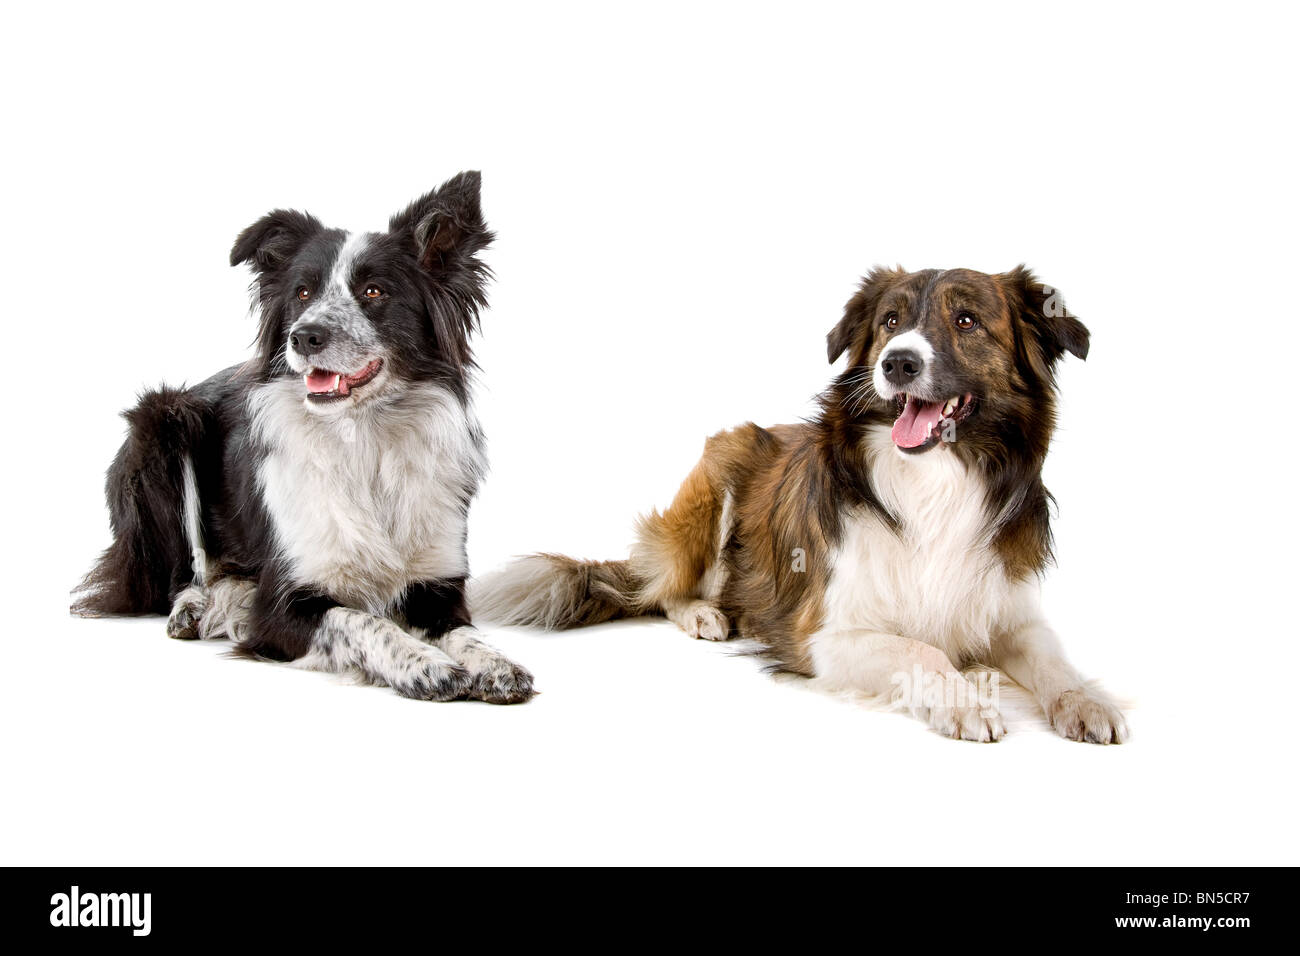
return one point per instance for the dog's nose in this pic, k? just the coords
(309, 339)
(901, 367)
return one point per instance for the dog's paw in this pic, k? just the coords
(187, 612)
(704, 622)
(432, 679)
(502, 682)
(228, 613)
(1087, 716)
(952, 705)
(980, 724)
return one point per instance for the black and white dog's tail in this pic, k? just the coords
(154, 510)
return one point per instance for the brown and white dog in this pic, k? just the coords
(900, 532)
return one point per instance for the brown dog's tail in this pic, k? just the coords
(555, 592)
(674, 550)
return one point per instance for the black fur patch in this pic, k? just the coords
(149, 559)
(436, 606)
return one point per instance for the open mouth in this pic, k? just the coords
(324, 385)
(921, 424)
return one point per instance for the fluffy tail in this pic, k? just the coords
(555, 592)
(153, 509)
(673, 552)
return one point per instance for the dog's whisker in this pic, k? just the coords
(862, 392)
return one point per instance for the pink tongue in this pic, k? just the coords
(318, 381)
(914, 425)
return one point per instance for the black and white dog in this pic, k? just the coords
(311, 504)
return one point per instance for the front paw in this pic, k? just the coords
(953, 705)
(1087, 716)
(980, 724)
(432, 680)
(502, 682)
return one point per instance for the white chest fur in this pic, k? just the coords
(937, 580)
(364, 503)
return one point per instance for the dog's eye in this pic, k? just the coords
(891, 320)
(304, 294)
(373, 291)
(965, 321)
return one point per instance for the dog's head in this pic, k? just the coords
(360, 315)
(956, 355)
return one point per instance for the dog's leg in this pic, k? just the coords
(384, 653)
(438, 610)
(914, 674)
(677, 552)
(311, 630)
(698, 619)
(1032, 657)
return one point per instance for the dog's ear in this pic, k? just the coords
(446, 231)
(446, 225)
(271, 241)
(266, 246)
(1041, 311)
(860, 311)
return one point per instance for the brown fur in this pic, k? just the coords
(676, 547)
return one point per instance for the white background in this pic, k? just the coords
(685, 196)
